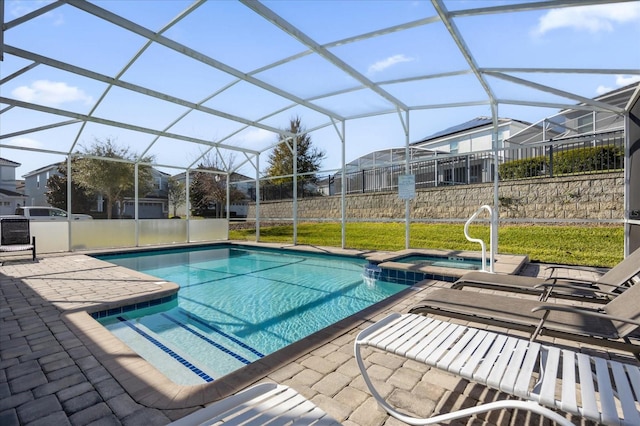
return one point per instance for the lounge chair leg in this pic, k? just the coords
(535, 334)
(635, 354)
(496, 405)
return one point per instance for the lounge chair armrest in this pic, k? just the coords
(587, 312)
(568, 280)
(552, 286)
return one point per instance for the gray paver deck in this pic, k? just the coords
(58, 366)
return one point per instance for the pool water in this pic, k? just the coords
(446, 262)
(237, 305)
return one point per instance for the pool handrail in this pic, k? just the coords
(478, 240)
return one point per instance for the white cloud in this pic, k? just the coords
(259, 136)
(19, 8)
(588, 18)
(621, 81)
(388, 62)
(50, 93)
(22, 7)
(625, 80)
(25, 143)
(601, 90)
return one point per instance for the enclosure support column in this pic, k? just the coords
(135, 200)
(493, 239)
(343, 189)
(407, 170)
(188, 203)
(69, 201)
(295, 189)
(632, 175)
(228, 204)
(257, 197)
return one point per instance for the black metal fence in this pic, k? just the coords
(284, 191)
(577, 156)
(582, 155)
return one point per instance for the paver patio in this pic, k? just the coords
(59, 366)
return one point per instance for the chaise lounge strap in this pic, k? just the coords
(600, 390)
(17, 247)
(265, 403)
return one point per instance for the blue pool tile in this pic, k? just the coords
(168, 351)
(133, 307)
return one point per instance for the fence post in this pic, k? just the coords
(550, 160)
(467, 164)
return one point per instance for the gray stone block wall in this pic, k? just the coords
(577, 197)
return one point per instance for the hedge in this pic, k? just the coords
(570, 161)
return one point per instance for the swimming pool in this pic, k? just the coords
(236, 305)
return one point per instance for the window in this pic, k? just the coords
(453, 148)
(57, 213)
(585, 123)
(475, 173)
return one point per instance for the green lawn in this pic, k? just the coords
(571, 245)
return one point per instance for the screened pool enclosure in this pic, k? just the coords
(186, 83)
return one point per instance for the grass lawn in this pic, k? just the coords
(571, 245)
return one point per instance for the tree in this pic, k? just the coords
(114, 179)
(210, 189)
(281, 158)
(176, 194)
(81, 199)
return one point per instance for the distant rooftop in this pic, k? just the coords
(464, 127)
(5, 162)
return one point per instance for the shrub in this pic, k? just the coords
(525, 168)
(588, 159)
(577, 160)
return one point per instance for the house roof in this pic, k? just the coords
(5, 162)
(475, 123)
(235, 177)
(9, 193)
(53, 166)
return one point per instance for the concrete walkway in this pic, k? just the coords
(60, 367)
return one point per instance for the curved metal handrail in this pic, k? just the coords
(477, 240)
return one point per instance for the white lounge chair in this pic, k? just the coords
(546, 378)
(265, 403)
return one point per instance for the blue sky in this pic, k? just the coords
(601, 36)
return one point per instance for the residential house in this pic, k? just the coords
(10, 198)
(35, 184)
(443, 158)
(473, 136)
(464, 153)
(577, 123)
(241, 183)
(152, 206)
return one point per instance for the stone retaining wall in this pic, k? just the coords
(577, 197)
